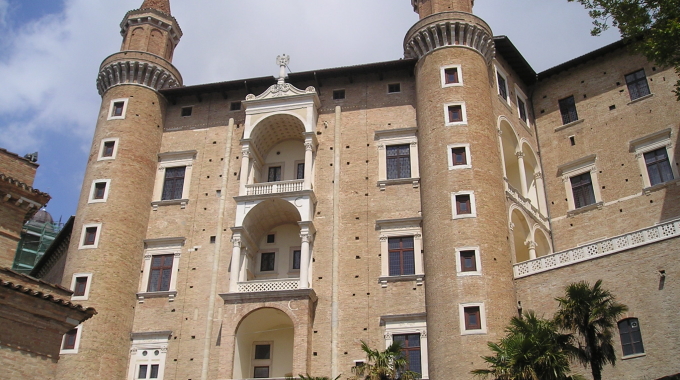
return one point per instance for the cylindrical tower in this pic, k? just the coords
(113, 212)
(467, 257)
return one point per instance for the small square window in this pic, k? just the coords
(394, 88)
(463, 204)
(117, 109)
(267, 261)
(271, 238)
(338, 94)
(99, 190)
(568, 110)
(451, 75)
(80, 286)
(473, 320)
(468, 261)
(261, 372)
(455, 113)
(90, 236)
(108, 148)
(262, 351)
(69, 342)
(235, 106)
(637, 84)
(458, 156)
(186, 111)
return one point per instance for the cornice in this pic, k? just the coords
(153, 17)
(136, 70)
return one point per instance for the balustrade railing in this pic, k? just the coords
(598, 249)
(275, 187)
(269, 285)
(515, 196)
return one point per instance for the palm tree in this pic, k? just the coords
(592, 314)
(384, 365)
(531, 350)
(309, 377)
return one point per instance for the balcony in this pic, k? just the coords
(601, 248)
(275, 187)
(269, 285)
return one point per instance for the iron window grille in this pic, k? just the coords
(174, 183)
(398, 161)
(568, 110)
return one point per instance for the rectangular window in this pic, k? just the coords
(90, 236)
(296, 258)
(117, 109)
(473, 320)
(262, 351)
(394, 88)
(271, 238)
(522, 109)
(398, 161)
(451, 75)
(631, 338)
(502, 86)
(300, 171)
(186, 111)
(401, 256)
(267, 261)
(173, 184)
(154, 371)
(274, 174)
(410, 348)
(468, 261)
(70, 340)
(161, 273)
(458, 155)
(463, 205)
(80, 286)
(455, 114)
(261, 360)
(582, 188)
(142, 371)
(261, 372)
(568, 110)
(637, 84)
(108, 148)
(658, 166)
(235, 106)
(338, 94)
(99, 190)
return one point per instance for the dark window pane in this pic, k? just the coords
(267, 262)
(296, 259)
(300, 171)
(463, 204)
(401, 256)
(99, 190)
(582, 189)
(459, 157)
(398, 161)
(154, 371)
(637, 84)
(262, 351)
(395, 87)
(658, 166)
(502, 86)
(81, 284)
(274, 174)
(142, 371)
(468, 262)
(186, 111)
(451, 75)
(522, 109)
(472, 318)
(70, 339)
(118, 109)
(338, 94)
(90, 235)
(271, 238)
(108, 148)
(455, 113)
(631, 337)
(161, 273)
(174, 183)
(568, 110)
(235, 106)
(395, 264)
(261, 372)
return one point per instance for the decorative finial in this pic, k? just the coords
(282, 61)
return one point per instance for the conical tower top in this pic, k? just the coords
(159, 5)
(428, 7)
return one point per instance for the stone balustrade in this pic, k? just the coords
(275, 187)
(269, 285)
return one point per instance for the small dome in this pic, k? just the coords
(42, 216)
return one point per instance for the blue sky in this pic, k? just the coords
(50, 51)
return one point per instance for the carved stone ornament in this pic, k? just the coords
(519, 155)
(538, 175)
(388, 335)
(135, 72)
(383, 238)
(279, 90)
(309, 146)
(236, 241)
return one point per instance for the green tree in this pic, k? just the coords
(591, 313)
(384, 365)
(652, 25)
(309, 377)
(532, 349)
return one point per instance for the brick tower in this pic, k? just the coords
(112, 215)
(463, 207)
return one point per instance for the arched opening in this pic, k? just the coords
(137, 39)
(530, 169)
(521, 234)
(279, 141)
(264, 345)
(542, 243)
(509, 143)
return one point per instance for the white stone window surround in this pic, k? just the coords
(96, 237)
(161, 246)
(93, 189)
(171, 160)
(79, 333)
(482, 318)
(499, 71)
(468, 158)
(404, 227)
(473, 205)
(654, 141)
(149, 342)
(100, 156)
(450, 123)
(478, 262)
(578, 167)
(400, 136)
(258, 264)
(122, 116)
(460, 76)
(520, 94)
(408, 324)
(86, 295)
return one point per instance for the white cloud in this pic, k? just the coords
(4, 8)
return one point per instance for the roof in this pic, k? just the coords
(14, 155)
(159, 5)
(583, 59)
(51, 255)
(30, 189)
(515, 59)
(18, 282)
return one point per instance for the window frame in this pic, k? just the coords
(93, 189)
(454, 208)
(562, 111)
(649, 143)
(635, 82)
(390, 137)
(173, 180)
(88, 284)
(408, 349)
(76, 345)
(111, 108)
(398, 84)
(459, 263)
(458, 68)
(339, 91)
(398, 158)
(502, 74)
(150, 342)
(519, 95)
(579, 167)
(83, 232)
(630, 333)
(391, 228)
(232, 107)
(262, 362)
(258, 263)
(162, 268)
(291, 259)
(403, 324)
(482, 318)
(270, 166)
(157, 247)
(189, 108)
(468, 156)
(447, 121)
(100, 156)
(170, 160)
(401, 250)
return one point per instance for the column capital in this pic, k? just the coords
(520, 155)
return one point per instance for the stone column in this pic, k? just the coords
(532, 249)
(522, 174)
(540, 193)
(245, 166)
(235, 264)
(304, 260)
(309, 159)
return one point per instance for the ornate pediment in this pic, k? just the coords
(281, 89)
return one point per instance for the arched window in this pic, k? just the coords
(631, 338)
